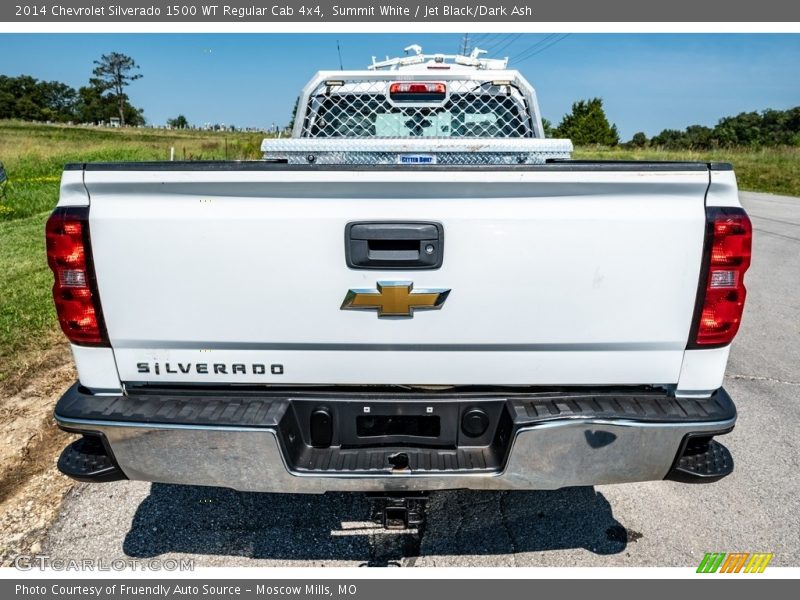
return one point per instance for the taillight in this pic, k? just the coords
(75, 287)
(720, 298)
(417, 91)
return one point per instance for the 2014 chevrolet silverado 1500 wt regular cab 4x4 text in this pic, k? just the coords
(416, 291)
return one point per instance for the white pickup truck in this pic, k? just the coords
(414, 292)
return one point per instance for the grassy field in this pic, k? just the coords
(34, 156)
(774, 170)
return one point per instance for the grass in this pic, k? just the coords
(34, 156)
(774, 170)
(28, 323)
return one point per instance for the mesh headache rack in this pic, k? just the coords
(419, 110)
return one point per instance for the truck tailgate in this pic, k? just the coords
(562, 274)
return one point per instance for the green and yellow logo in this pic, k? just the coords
(736, 562)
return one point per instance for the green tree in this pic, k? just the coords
(699, 137)
(294, 113)
(27, 98)
(114, 72)
(179, 122)
(742, 130)
(639, 140)
(671, 139)
(92, 107)
(751, 129)
(58, 101)
(548, 128)
(587, 124)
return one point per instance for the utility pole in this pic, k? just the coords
(465, 45)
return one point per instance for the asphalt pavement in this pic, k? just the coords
(649, 524)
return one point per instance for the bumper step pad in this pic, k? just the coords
(703, 460)
(87, 460)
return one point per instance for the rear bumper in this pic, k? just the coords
(257, 441)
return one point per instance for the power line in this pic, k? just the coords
(507, 44)
(491, 47)
(491, 42)
(477, 38)
(489, 38)
(543, 48)
(535, 46)
(550, 45)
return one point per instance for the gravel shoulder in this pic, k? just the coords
(31, 488)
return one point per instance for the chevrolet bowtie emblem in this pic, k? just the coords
(395, 299)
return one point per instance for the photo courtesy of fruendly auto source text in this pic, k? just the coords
(502, 294)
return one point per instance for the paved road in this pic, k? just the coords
(651, 524)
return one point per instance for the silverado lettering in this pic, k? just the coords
(166, 368)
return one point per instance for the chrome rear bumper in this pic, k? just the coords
(548, 451)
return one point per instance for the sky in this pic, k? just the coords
(648, 82)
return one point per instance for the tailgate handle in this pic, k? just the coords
(403, 246)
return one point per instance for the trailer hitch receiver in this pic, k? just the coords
(399, 511)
